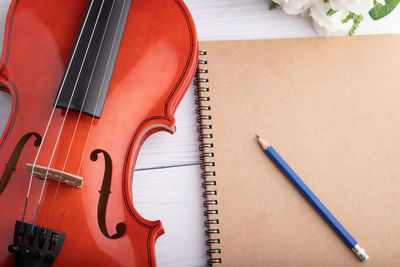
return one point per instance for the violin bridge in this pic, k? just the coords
(56, 175)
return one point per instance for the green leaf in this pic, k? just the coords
(331, 12)
(273, 5)
(379, 11)
(356, 21)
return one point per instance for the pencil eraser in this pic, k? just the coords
(360, 252)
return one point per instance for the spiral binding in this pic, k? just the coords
(205, 137)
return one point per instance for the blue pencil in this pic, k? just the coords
(312, 198)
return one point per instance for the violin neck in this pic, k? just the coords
(88, 73)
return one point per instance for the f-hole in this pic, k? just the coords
(10, 166)
(104, 194)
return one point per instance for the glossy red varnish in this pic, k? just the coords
(155, 65)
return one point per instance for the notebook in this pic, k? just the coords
(331, 108)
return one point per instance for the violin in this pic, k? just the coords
(90, 80)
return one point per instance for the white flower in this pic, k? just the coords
(328, 15)
(328, 25)
(333, 24)
(356, 6)
(294, 7)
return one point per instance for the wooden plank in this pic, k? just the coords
(174, 196)
(163, 149)
(4, 4)
(5, 107)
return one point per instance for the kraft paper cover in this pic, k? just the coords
(331, 108)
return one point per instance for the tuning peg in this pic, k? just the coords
(12, 248)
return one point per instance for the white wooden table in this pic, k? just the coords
(167, 182)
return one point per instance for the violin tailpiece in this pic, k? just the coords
(35, 247)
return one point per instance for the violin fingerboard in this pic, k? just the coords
(88, 74)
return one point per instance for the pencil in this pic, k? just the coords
(312, 198)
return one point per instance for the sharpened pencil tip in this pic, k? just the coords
(261, 141)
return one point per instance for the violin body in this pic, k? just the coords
(155, 65)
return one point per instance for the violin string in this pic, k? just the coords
(65, 209)
(92, 121)
(65, 117)
(50, 119)
(77, 123)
